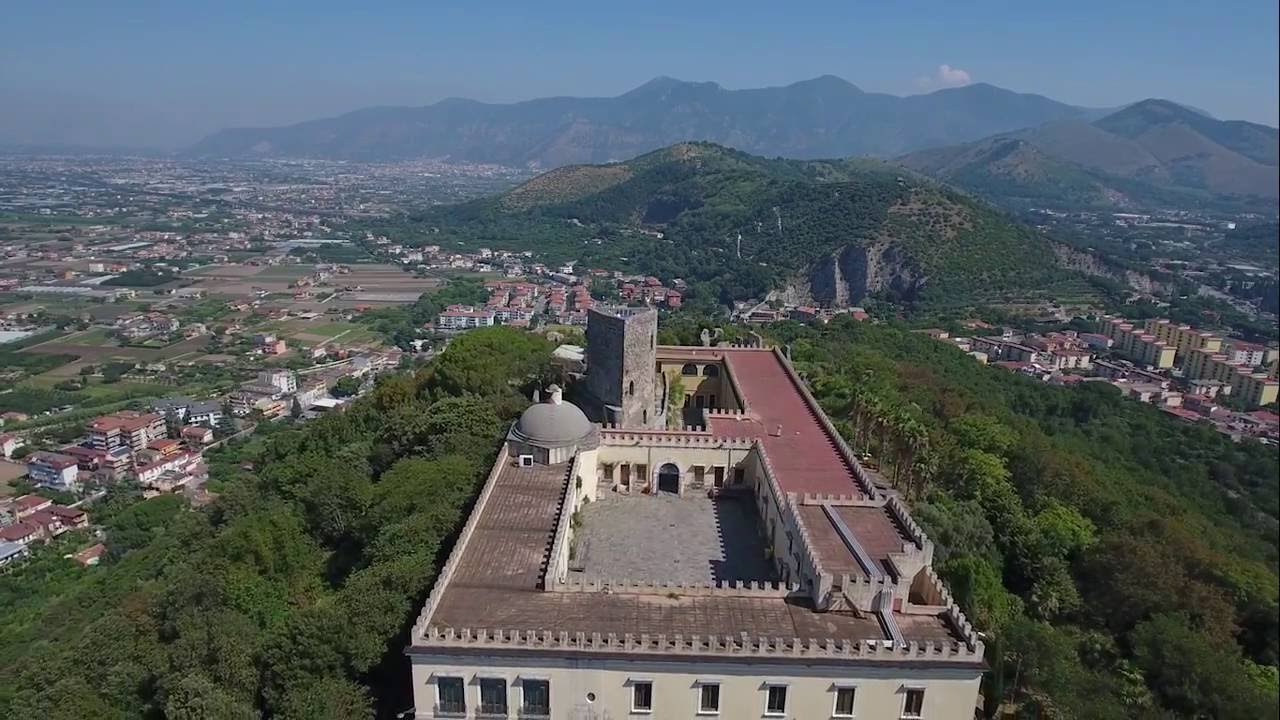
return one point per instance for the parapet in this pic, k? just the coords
(726, 646)
(737, 588)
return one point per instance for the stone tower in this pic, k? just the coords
(622, 348)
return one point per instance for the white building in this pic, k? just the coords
(284, 381)
(464, 317)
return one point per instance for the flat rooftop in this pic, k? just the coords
(669, 538)
(805, 458)
(497, 585)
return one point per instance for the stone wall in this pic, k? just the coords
(621, 378)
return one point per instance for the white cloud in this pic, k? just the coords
(945, 77)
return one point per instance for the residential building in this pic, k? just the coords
(54, 470)
(91, 555)
(128, 429)
(11, 552)
(284, 381)
(9, 444)
(464, 317)
(551, 604)
(1257, 388)
(23, 532)
(27, 504)
(1137, 344)
(197, 434)
(1244, 353)
(1183, 338)
(153, 466)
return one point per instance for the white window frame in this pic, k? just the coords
(906, 691)
(634, 684)
(440, 700)
(835, 701)
(719, 696)
(786, 699)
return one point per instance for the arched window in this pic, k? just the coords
(631, 388)
(689, 369)
(711, 371)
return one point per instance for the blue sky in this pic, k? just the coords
(165, 73)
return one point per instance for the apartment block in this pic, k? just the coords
(1183, 338)
(54, 470)
(1137, 344)
(127, 429)
(1256, 388)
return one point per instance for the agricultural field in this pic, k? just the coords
(320, 331)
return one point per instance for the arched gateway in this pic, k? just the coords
(669, 478)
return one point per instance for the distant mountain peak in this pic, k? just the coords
(832, 83)
(664, 84)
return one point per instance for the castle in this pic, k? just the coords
(743, 565)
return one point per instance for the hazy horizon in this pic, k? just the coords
(148, 74)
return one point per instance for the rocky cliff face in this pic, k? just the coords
(850, 273)
(1091, 264)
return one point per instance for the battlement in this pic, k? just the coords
(672, 438)
(870, 649)
(455, 555)
(737, 588)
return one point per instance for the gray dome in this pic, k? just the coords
(553, 424)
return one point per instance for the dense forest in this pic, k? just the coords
(290, 596)
(1123, 564)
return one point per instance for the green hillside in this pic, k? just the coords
(736, 226)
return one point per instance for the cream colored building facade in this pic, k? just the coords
(851, 621)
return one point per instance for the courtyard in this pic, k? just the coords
(668, 538)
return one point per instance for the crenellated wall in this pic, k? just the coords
(455, 555)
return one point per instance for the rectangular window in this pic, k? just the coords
(642, 697)
(450, 695)
(535, 697)
(776, 703)
(844, 703)
(913, 704)
(493, 696)
(739, 474)
(709, 698)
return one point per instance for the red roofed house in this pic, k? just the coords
(27, 504)
(91, 555)
(23, 532)
(197, 434)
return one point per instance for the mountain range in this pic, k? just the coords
(823, 117)
(1151, 153)
(737, 226)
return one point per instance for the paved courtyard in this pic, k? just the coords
(667, 538)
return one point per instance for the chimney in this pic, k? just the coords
(555, 394)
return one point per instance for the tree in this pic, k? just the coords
(1197, 674)
(346, 386)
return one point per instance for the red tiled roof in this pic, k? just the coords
(26, 502)
(804, 458)
(19, 530)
